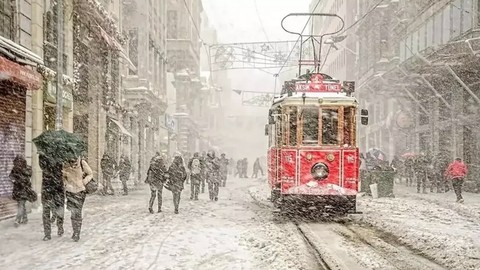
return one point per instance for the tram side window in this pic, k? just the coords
(330, 126)
(349, 129)
(292, 118)
(310, 125)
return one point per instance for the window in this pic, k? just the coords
(330, 126)
(467, 15)
(438, 29)
(310, 125)
(429, 32)
(456, 17)
(292, 122)
(6, 19)
(349, 126)
(133, 49)
(422, 38)
(446, 25)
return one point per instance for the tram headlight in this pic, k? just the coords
(320, 171)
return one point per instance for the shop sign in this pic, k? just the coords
(22, 75)
(52, 95)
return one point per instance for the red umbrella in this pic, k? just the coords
(409, 155)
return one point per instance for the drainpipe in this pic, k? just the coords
(59, 94)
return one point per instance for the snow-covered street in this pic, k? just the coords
(119, 233)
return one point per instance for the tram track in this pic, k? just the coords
(341, 243)
(322, 264)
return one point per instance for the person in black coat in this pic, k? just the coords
(177, 176)
(20, 176)
(108, 166)
(53, 194)
(125, 168)
(156, 178)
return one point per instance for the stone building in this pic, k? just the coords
(427, 64)
(144, 87)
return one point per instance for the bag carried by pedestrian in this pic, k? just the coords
(92, 186)
(31, 195)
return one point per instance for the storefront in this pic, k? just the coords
(15, 81)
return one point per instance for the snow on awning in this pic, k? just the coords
(123, 130)
(114, 44)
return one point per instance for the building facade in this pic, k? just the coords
(426, 72)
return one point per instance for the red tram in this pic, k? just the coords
(313, 156)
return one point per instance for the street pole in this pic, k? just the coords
(59, 94)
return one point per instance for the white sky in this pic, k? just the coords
(237, 21)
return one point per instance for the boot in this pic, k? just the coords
(60, 230)
(76, 226)
(47, 228)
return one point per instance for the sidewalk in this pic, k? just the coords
(433, 224)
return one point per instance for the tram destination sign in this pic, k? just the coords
(317, 87)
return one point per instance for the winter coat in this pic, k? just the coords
(21, 182)
(223, 165)
(456, 169)
(177, 176)
(125, 167)
(77, 176)
(156, 172)
(195, 170)
(52, 181)
(256, 165)
(108, 165)
(213, 169)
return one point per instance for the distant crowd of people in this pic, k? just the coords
(437, 173)
(69, 182)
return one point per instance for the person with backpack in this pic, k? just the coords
(22, 187)
(195, 167)
(76, 175)
(223, 161)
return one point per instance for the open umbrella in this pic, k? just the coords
(409, 155)
(60, 144)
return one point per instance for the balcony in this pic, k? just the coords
(140, 91)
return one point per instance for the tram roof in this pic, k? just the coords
(317, 99)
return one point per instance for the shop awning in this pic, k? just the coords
(112, 42)
(122, 129)
(23, 75)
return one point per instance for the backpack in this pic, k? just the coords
(196, 166)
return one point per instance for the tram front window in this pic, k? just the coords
(310, 125)
(330, 126)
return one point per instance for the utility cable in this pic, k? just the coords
(260, 20)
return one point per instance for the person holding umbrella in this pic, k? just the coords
(55, 147)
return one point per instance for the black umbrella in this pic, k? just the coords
(60, 144)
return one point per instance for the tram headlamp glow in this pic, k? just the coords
(320, 171)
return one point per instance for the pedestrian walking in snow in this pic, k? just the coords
(203, 163)
(195, 167)
(213, 175)
(231, 166)
(457, 171)
(76, 175)
(53, 194)
(156, 178)
(223, 170)
(257, 168)
(22, 188)
(125, 168)
(421, 173)
(238, 172)
(108, 166)
(245, 168)
(177, 176)
(409, 170)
